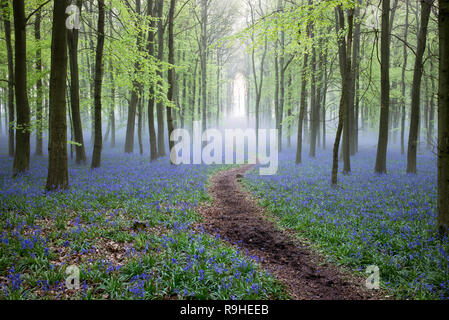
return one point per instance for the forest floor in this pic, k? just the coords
(236, 217)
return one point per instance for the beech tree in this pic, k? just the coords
(443, 119)
(6, 9)
(381, 158)
(39, 89)
(98, 143)
(73, 36)
(426, 5)
(345, 52)
(22, 151)
(58, 176)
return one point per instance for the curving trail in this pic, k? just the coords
(235, 215)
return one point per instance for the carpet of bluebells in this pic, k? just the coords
(130, 228)
(384, 220)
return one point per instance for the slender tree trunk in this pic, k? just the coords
(302, 108)
(404, 67)
(381, 158)
(218, 87)
(171, 72)
(111, 73)
(354, 82)
(203, 57)
(344, 49)
(98, 142)
(281, 86)
(75, 92)
(11, 111)
(313, 103)
(1, 123)
(151, 98)
(160, 106)
(426, 6)
(137, 87)
(432, 107)
(140, 125)
(22, 154)
(112, 112)
(443, 119)
(276, 88)
(58, 175)
(39, 93)
(289, 111)
(427, 112)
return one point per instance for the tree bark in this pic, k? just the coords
(426, 6)
(73, 36)
(443, 119)
(98, 141)
(381, 158)
(302, 109)
(354, 76)
(151, 98)
(171, 71)
(11, 113)
(203, 57)
(313, 102)
(22, 153)
(58, 176)
(137, 88)
(404, 67)
(39, 93)
(432, 108)
(160, 106)
(140, 124)
(344, 49)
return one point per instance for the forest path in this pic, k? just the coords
(235, 215)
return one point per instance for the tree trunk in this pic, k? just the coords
(1, 123)
(171, 72)
(443, 119)
(39, 93)
(218, 87)
(98, 141)
(432, 107)
(281, 86)
(313, 103)
(203, 57)
(344, 49)
(290, 107)
(112, 112)
(276, 89)
(160, 106)
(381, 158)
(151, 98)
(426, 6)
(22, 154)
(302, 107)
(137, 87)
(11, 113)
(404, 67)
(354, 82)
(58, 175)
(75, 92)
(140, 124)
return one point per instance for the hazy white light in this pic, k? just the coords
(239, 95)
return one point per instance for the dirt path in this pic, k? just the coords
(235, 215)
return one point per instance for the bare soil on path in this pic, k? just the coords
(236, 216)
